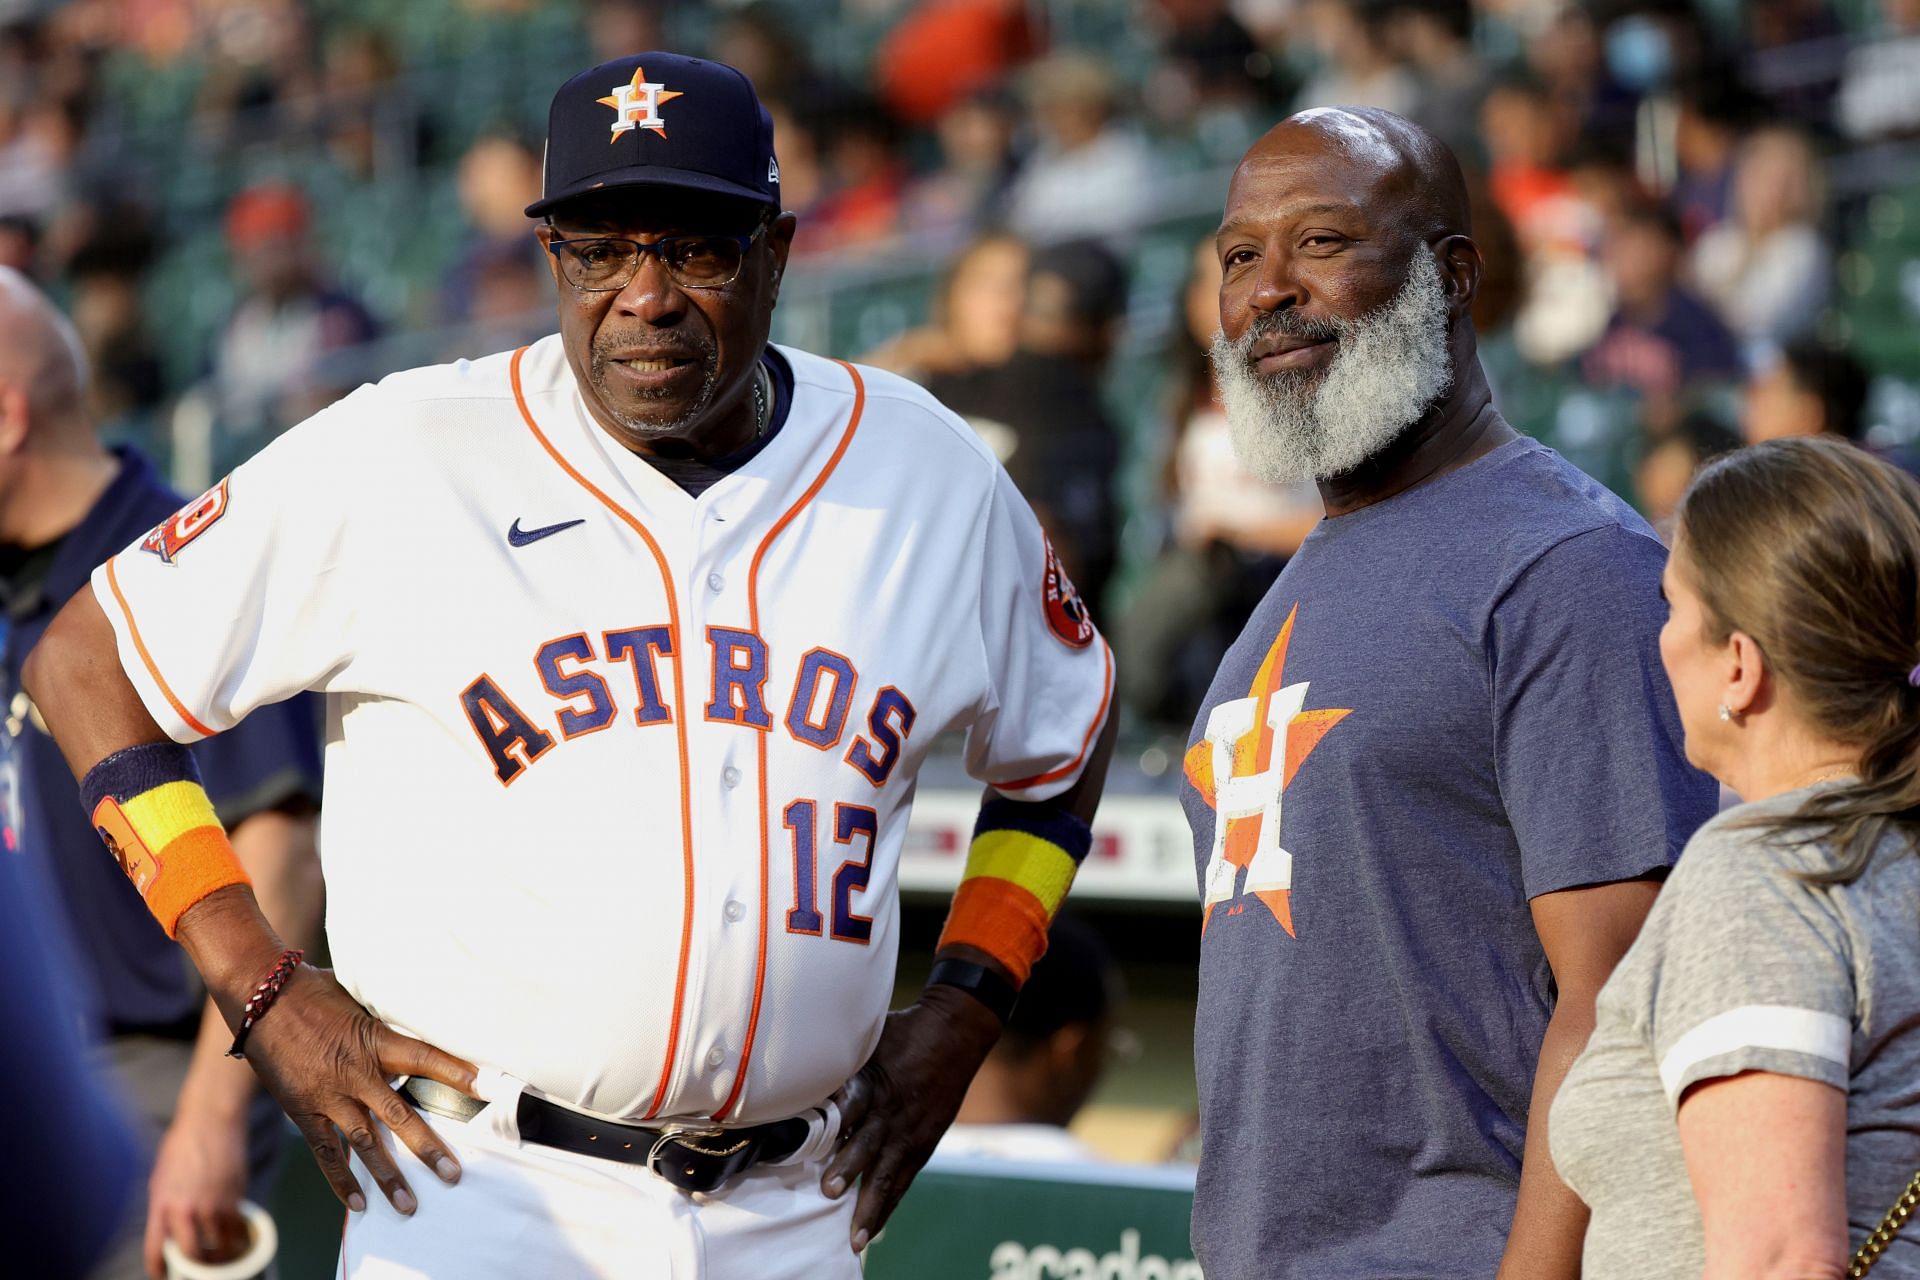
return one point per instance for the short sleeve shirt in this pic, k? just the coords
(651, 754)
(1448, 704)
(1744, 966)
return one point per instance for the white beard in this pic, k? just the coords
(1390, 366)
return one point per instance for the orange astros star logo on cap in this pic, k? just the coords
(636, 105)
(1252, 748)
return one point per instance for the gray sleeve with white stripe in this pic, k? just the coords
(1757, 968)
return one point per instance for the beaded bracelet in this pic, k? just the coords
(263, 997)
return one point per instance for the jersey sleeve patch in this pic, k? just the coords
(1067, 615)
(171, 536)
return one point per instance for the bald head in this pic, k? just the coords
(1385, 156)
(42, 365)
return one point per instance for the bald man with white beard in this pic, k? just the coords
(1437, 779)
(67, 502)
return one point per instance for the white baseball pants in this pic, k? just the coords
(523, 1210)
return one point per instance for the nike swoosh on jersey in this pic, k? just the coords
(518, 537)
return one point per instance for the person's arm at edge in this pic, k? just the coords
(320, 1054)
(200, 1170)
(898, 1106)
(1767, 1157)
(1584, 932)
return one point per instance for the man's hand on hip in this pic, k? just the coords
(895, 1110)
(328, 1061)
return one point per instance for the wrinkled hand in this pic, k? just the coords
(327, 1061)
(199, 1176)
(895, 1110)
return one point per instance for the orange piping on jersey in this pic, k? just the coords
(133, 629)
(679, 723)
(1086, 743)
(760, 741)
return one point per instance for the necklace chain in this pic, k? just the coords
(762, 401)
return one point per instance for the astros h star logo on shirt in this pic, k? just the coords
(636, 105)
(1241, 767)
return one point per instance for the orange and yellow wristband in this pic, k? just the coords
(154, 816)
(1019, 867)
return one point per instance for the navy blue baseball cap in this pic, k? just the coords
(658, 120)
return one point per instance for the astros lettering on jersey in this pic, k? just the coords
(617, 778)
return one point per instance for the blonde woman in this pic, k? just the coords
(1749, 1103)
(1767, 269)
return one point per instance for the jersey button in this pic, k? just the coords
(716, 583)
(730, 776)
(716, 1056)
(734, 910)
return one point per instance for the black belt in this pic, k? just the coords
(690, 1157)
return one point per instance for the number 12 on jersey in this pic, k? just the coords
(850, 822)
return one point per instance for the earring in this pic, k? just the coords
(1726, 712)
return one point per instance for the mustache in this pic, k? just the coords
(608, 347)
(1291, 324)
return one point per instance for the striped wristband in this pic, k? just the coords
(150, 809)
(1022, 860)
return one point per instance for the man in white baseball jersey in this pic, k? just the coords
(632, 642)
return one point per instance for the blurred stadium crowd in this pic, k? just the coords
(1701, 222)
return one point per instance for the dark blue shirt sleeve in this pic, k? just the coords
(1587, 742)
(269, 760)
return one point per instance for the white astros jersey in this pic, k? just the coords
(617, 778)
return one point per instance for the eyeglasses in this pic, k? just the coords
(605, 263)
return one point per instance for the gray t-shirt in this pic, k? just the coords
(1743, 966)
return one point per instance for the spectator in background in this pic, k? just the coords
(1711, 113)
(1049, 1059)
(1566, 297)
(1565, 57)
(38, 147)
(499, 177)
(1651, 46)
(1435, 38)
(616, 28)
(511, 303)
(864, 180)
(358, 67)
(1231, 531)
(1806, 389)
(757, 40)
(1767, 269)
(1042, 412)
(1525, 141)
(1661, 339)
(968, 192)
(798, 150)
(109, 314)
(976, 314)
(267, 364)
(946, 51)
(259, 57)
(1211, 81)
(1358, 65)
(1090, 174)
(1880, 89)
(1667, 467)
